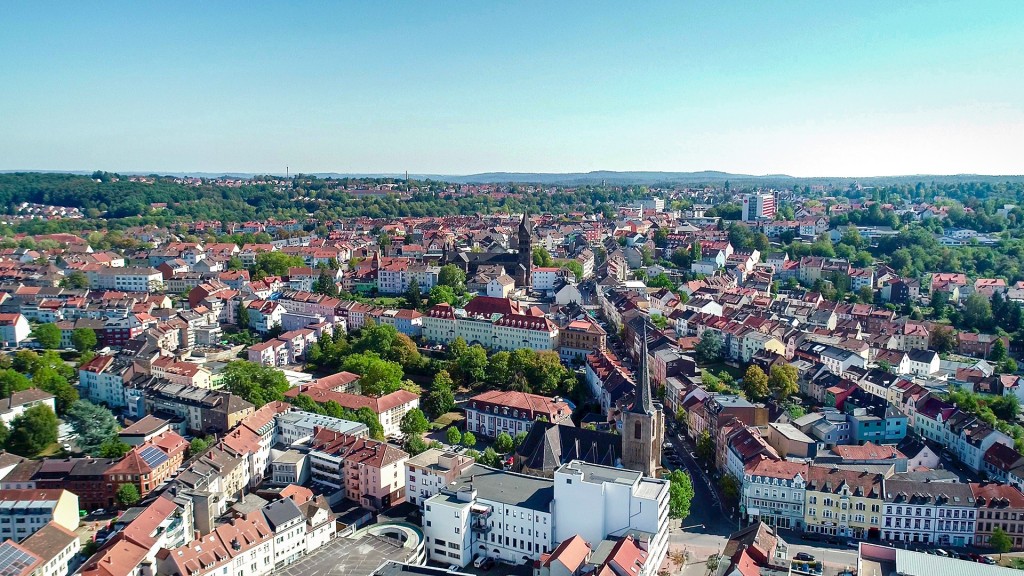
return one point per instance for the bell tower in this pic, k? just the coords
(643, 425)
(525, 257)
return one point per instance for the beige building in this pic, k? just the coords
(23, 512)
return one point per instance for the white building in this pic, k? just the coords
(297, 426)
(936, 513)
(430, 471)
(14, 328)
(600, 502)
(289, 526)
(758, 207)
(125, 279)
(23, 512)
(19, 402)
(773, 492)
(56, 547)
(488, 512)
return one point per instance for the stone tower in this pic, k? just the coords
(525, 263)
(643, 425)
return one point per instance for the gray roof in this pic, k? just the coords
(919, 564)
(601, 474)
(508, 487)
(281, 512)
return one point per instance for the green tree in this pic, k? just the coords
(201, 445)
(33, 431)
(489, 458)
(755, 383)
(5, 433)
(661, 281)
(413, 295)
(782, 379)
(730, 488)
(503, 443)
(998, 351)
(325, 283)
(84, 339)
(468, 439)
(866, 294)
(47, 335)
(1000, 541)
(680, 495)
(378, 377)
(441, 295)
(453, 436)
(94, 425)
(519, 439)
(113, 448)
(415, 445)
(977, 312)
(276, 264)
(243, 316)
(77, 280)
(48, 379)
(441, 399)
(542, 258)
(453, 277)
(235, 263)
(128, 495)
(941, 339)
(414, 422)
(472, 365)
(255, 383)
(709, 347)
(13, 381)
(705, 447)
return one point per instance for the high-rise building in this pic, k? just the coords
(758, 206)
(643, 425)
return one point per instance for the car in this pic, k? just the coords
(479, 561)
(454, 568)
(833, 540)
(973, 556)
(804, 557)
(852, 544)
(988, 560)
(487, 564)
(941, 552)
(99, 511)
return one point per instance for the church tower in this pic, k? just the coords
(643, 425)
(525, 262)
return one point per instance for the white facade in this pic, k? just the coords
(598, 502)
(493, 335)
(13, 329)
(126, 279)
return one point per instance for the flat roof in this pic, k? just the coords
(598, 474)
(508, 487)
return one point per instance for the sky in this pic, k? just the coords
(433, 87)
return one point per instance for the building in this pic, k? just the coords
(56, 547)
(14, 329)
(366, 471)
(878, 559)
(758, 206)
(599, 502)
(243, 546)
(390, 408)
(23, 512)
(430, 471)
(496, 411)
(773, 491)
(494, 323)
(297, 426)
(148, 465)
(289, 525)
(842, 502)
(548, 446)
(102, 380)
(203, 410)
(518, 263)
(488, 512)
(999, 506)
(19, 401)
(125, 279)
(932, 513)
(643, 425)
(581, 338)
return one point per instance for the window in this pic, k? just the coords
(637, 430)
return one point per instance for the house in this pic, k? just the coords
(18, 402)
(366, 471)
(149, 464)
(14, 329)
(389, 408)
(497, 411)
(979, 345)
(56, 548)
(23, 512)
(430, 471)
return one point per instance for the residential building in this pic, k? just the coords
(999, 506)
(56, 547)
(23, 512)
(772, 491)
(14, 329)
(930, 513)
(843, 502)
(21, 400)
(430, 471)
(366, 471)
(497, 411)
(759, 206)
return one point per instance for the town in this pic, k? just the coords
(353, 379)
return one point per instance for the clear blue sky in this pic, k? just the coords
(804, 88)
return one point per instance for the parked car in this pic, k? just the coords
(988, 560)
(941, 552)
(487, 564)
(804, 557)
(454, 568)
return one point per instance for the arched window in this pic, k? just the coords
(637, 430)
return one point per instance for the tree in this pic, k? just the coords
(94, 425)
(709, 348)
(255, 383)
(441, 295)
(866, 294)
(782, 379)
(47, 335)
(942, 339)
(128, 495)
(468, 439)
(201, 445)
(84, 339)
(453, 436)
(453, 277)
(33, 431)
(441, 399)
(113, 448)
(5, 433)
(1000, 541)
(680, 494)
(378, 377)
(755, 383)
(413, 295)
(48, 379)
(472, 365)
(977, 312)
(415, 445)
(519, 439)
(325, 284)
(705, 447)
(503, 443)
(489, 458)
(1006, 408)
(542, 258)
(414, 422)
(661, 281)
(13, 381)
(998, 351)
(730, 488)
(276, 264)
(77, 280)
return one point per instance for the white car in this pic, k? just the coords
(453, 568)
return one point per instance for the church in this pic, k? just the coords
(517, 264)
(643, 425)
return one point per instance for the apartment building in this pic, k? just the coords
(149, 464)
(496, 411)
(23, 512)
(773, 492)
(495, 323)
(427, 473)
(841, 502)
(365, 471)
(999, 506)
(203, 410)
(127, 279)
(14, 329)
(581, 338)
(931, 513)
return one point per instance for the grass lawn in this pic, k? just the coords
(717, 367)
(51, 450)
(447, 420)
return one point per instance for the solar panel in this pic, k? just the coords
(153, 456)
(14, 560)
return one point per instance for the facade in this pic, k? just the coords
(149, 464)
(203, 410)
(599, 502)
(581, 338)
(56, 547)
(494, 412)
(366, 471)
(14, 329)
(427, 473)
(843, 502)
(773, 492)
(999, 506)
(126, 279)
(758, 206)
(933, 513)
(494, 323)
(23, 512)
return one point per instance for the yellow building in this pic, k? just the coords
(843, 502)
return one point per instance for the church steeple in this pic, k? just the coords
(525, 258)
(643, 404)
